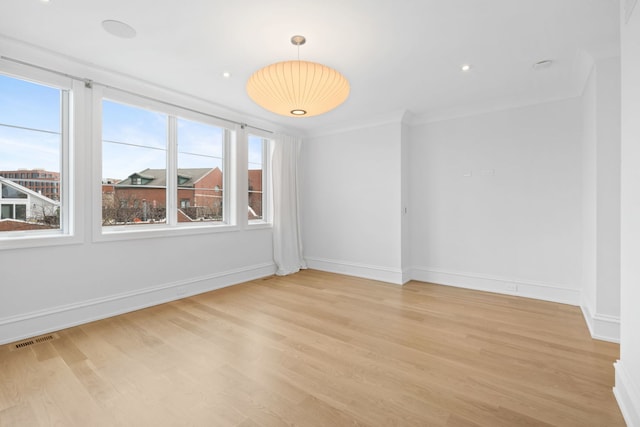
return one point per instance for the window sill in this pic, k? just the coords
(18, 241)
(132, 232)
(257, 225)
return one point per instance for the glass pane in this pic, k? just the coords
(200, 172)
(12, 193)
(6, 212)
(30, 153)
(21, 212)
(30, 105)
(256, 160)
(134, 159)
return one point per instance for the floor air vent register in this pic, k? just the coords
(33, 341)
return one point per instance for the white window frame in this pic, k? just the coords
(267, 205)
(172, 227)
(71, 156)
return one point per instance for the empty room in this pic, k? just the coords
(336, 213)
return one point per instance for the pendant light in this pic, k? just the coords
(298, 88)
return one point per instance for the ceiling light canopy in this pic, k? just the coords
(298, 88)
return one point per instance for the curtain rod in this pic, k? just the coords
(88, 83)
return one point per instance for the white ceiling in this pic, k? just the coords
(397, 54)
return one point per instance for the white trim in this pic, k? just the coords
(172, 113)
(601, 326)
(627, 395)
(161, 230)
(394, 117)
(71, 229)
(14, 49)
(15, 328)
(367, 271)
(463, 112)
(502, 285)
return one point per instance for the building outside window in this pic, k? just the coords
(150, 143)
(201, 170)
(33, 141)
(258, 155)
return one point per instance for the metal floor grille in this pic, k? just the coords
(32, 341)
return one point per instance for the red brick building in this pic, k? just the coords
(255, 194)
(141, 198)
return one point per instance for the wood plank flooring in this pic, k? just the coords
(319, 349)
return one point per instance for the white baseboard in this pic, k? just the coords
(627, 394)
(501, 285)
(374, 272)
(601, 326)
(32, 324)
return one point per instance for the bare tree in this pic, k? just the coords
(130, 208)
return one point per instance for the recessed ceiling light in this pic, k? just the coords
(226, 75)
(466, 67)
(119, 29)
(541, 65)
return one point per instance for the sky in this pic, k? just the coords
(32, 106)
(133, 138)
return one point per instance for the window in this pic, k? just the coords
(200, 171)
(171, 162)
(134, 144)
(257, 169)
(7, 212)
(12, 193)
(34, 140)
(21, 212)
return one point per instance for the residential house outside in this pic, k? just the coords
(24, 209)
(141, 197)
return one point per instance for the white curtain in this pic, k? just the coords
(287, 238)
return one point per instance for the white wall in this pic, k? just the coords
(496, 201)
(49, 288)
(406, 212)
(601, 199)
(589, 195)
(608, 153)
(351, 202)
(627, 387)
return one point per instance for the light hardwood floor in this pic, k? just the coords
(317, 349)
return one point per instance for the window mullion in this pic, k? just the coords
(65, 165)
(230, 177)
(265, 180)
(172, 171)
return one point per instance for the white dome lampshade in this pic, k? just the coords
(298, 88)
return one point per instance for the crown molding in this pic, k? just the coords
(394, 117)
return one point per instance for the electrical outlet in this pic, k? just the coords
(511, 287)
(181, 291)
